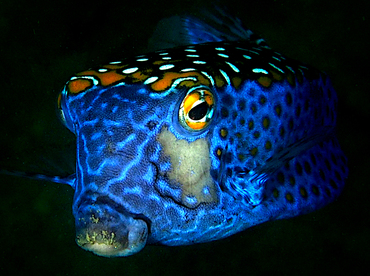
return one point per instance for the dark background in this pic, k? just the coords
(42, 43)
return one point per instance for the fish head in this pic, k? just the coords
(139, 152)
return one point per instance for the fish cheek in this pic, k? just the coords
(190, 169)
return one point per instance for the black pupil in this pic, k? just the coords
(199, 111)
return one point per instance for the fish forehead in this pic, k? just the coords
(136, 81)
(216, 64)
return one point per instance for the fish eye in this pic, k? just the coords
(197, 109)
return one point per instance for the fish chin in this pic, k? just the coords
(110, 234)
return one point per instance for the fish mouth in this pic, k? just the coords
(110, 233)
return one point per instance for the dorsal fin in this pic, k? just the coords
(215, 26)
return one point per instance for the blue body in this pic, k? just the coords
(197, 143)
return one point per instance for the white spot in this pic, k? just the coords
(130, 70)
(247, 57)
(163, 54)
(188, 69)
(209, 77)
(253, 52)
(94, 80)
(257, 49)
(280, 55)
(259, 70)
(115, 62)
(192, 55)
(233, 67)
(117, 84)
(190, 50)
(166, 58)
(205, 190)
(223, 55)
(199, 62)
(192, 200)
(180, 80)
(225, 76)
(150, 80)
(258, 41)
(142, 59)
(220, 49)
(291, 69)
(102, 70)
(166, 67)
(277, 68)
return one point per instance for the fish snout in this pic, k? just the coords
(108, 232)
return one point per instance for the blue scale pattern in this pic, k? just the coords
(266, 151)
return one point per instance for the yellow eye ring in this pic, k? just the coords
(197, 109)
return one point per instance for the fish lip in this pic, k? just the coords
(110, 243)
(107, 229)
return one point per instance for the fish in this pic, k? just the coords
(197, 142)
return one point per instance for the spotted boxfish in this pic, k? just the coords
(198, 142)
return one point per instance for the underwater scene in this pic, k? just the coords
(239, 156)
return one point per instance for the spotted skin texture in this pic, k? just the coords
(263, 147)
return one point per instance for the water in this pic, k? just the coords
(44, 46)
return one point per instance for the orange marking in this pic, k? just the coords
(79, 85)
(289, 197)
(187, 83)
(190, 100)
(236, 81)
(160, 62)
(241, 157)
(208, 98)
(88, 73)
(266, 123)
(110, 78)
(299, 77)
(106, 78)
(114, 66)
(223, 132)
(196, 126)
(169, 77)
(278, 110)
(290, 79)
(276, 76)
(139, 77)
(59, 101)
(303, 192)
(219, 81)
(264, 81)
(254, 152)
